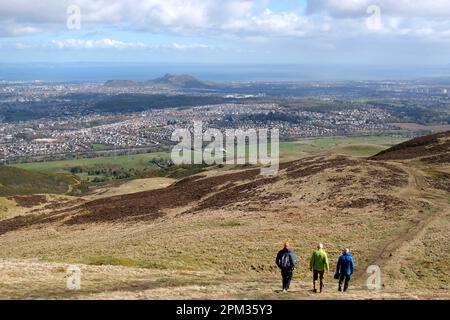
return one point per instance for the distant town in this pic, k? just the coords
(59, 120)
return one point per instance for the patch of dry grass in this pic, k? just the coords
(133, 186)
(229, 252)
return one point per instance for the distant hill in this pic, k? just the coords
(16, 181)
(433, 148)
(182, 81)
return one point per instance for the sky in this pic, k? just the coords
(359, 32)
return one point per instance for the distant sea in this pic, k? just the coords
(100, 72)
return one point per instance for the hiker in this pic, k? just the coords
(286, 262)
(318, 265)
(345, 268)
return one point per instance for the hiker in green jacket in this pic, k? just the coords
(318, 265)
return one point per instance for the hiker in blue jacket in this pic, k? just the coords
(345, 268)
(286, 262)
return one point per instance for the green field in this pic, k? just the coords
(101, 146)
(135, 161)
(353, 146)
(99, 169)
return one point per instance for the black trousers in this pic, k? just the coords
(344, 278)
(287, 277)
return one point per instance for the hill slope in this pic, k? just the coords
(15, 181)
(431, 148)
(180, 81)
(184, 81)
(215, 234)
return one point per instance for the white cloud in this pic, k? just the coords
(95, 44)
(401, 8)
(181, 46)
(414, 19)
(175, 16)
(325, 19)
(16, 30)
(108, 43)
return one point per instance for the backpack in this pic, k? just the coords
(286, 261)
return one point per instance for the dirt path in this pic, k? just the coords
(71, 187)
(439, 202)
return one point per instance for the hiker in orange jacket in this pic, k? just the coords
(286, 262)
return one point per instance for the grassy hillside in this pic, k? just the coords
(215, 235)
(16, 181)
(433, 148)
